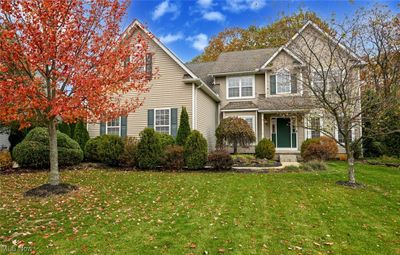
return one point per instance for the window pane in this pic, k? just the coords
(233, 92)
(233, 82)
(162, 117)
(283, 84)
(247, 82)
(315, 127)
(113, 130)
(164, 130)
(247, 91)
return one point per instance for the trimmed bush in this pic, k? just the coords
(173, 158)
(234, 131)
(314, 165)
(265, 149)
(322, 148)
(81, 135)
(91, 149)
(64, 128)
(165, 140)
(220, 160)
(149, 151)
(195, 150)
(184, 128)
(34, 150)
(110, 149)
(307, 143)
(5, 160)
(129, 156)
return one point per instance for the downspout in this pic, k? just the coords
(193, 106)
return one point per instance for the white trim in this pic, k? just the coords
(120, 127)
(155, 117)
(277, 111)
(262, 125)
(253, 77)
(256, 71)
(193, 104)
(291, 129)
(240, 110)
(196, 106)
(282, 48)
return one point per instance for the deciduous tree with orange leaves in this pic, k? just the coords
(65, 60)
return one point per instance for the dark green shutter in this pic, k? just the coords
(294, 83)
(272, 84)
(150, 118)
(124, 126)
(102, 128)
(174, 121)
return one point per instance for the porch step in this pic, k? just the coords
(287, 158)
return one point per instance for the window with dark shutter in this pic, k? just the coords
(149, 65)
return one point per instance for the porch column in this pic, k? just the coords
(262, 125)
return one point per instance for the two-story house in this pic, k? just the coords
(261, 86)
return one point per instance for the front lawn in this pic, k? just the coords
(117, 212)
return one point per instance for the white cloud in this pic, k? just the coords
(170, 38)
(242, 5)
(213, 16)
(199, 42)
(205, 3)
(164, 8)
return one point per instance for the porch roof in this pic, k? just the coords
(284, 104)
(240, 105)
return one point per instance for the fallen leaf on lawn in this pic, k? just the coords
(328, 243)
(221, 250)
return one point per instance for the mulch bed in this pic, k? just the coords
(46, 190)
(351, 185)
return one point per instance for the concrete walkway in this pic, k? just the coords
(255, 168)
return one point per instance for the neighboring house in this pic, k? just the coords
(4, 143)
(260, 86)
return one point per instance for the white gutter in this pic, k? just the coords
(240, 110)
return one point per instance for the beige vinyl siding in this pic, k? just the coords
(166, 91)
(207, 114)
(4, 140)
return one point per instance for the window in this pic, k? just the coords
(162, 120)
(149, 65)
(283, 82)
(240, 87)
(340, 137)
(114, 127)
(329, 80)
(315, 125)
(250, 121)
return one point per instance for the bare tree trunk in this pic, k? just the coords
(54, 176)
(350, 164)
(234, 147)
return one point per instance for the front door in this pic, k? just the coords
(283, 133)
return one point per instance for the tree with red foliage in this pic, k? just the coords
(64, 60)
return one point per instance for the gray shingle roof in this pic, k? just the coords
(240, 105)
(284, 103)
(202, 70)
(240, 61)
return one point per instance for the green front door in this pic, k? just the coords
(283, 133)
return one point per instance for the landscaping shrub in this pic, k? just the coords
(110, 149)
(173, 157)
(91, 149)
(34, 150)
(165, 140)
(195, 150)
(314, 165)
(184, 128)
(129, 156)
(220, 160)
(322, 148)
(149, 151)
(64, 128)
(81, 135)
(265, 149)
(5, 160)
(234, 131)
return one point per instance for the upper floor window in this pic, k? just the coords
(114, 127)
(283, 82)
(327, 80)
(240, 87)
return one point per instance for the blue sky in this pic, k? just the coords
(186, 26)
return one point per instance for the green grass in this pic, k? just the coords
(118, 212)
